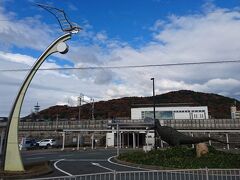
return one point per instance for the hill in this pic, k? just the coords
(219, 106)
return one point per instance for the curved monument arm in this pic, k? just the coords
(12, 160)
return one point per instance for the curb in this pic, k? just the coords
(150, 167)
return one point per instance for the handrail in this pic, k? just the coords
(203, 173)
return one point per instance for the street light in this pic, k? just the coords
(154, 114)
(12, 160)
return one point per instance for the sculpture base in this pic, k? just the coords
(201, 149)
(31, 170)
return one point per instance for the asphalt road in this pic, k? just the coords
(67, 163)
(70, 163)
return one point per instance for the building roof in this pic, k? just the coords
(163, 105)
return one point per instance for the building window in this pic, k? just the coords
(143, 114)
(159, 114)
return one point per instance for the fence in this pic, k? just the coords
(183, 124)
(186, 174)
(54, 125)
(203, 123)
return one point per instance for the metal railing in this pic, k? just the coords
(181, 124)
(184, 174)
(54, 125)
(202, 123)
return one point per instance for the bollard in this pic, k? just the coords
(207, 177)
(114, 175)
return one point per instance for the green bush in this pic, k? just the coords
(183, 157)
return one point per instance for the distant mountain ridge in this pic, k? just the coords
(218, 106)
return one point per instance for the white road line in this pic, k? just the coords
(55, 165)
(35, 158)
(97, 164)
(109, 160)
(53, 160)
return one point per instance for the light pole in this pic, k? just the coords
(57, 122)
(12, 160)
(117, 139)
(92, 100)
(154, 114)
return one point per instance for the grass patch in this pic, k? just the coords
(183, 157)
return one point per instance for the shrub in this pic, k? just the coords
(183, 157)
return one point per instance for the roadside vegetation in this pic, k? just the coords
(183, 157)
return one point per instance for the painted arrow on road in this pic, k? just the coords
(99, 165)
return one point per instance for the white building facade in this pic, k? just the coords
(165, 113)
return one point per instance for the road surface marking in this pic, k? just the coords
(133, 167)
(97, 164)
(55, 165)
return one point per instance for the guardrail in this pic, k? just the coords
(184, 174)
(181, 124)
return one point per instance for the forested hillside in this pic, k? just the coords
(219, 106)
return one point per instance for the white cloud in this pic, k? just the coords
(200, 37)
(120, 91)
(159, 24)
(212, 35)
(103, 76)
(72, 7)
(101, 36)
(18, 58)
(23, 33)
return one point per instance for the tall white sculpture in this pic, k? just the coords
(12, 160)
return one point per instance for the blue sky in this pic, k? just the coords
(125, 20)
(118, 33)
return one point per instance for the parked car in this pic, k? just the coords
(46, 143)
(27, 144)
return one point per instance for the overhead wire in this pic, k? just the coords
(125, 66)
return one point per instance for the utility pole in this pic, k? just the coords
(80, 98)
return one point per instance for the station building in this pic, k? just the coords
(135, 132)
(175, 112)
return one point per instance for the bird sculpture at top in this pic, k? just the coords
(64, 22)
